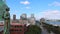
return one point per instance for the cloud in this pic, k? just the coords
(25, 2)
(49, 14)
(55, 3)
(28, 7)
(52, 14)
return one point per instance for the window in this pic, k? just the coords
(20, 30)
(11, 30)
(20, 26)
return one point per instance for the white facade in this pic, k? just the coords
(24, 16)
(32, 19)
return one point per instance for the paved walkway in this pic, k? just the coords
(44, 31)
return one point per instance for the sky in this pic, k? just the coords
(49, 9)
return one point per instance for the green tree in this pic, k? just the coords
(33, 29)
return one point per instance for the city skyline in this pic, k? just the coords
(40, 8)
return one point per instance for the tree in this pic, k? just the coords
(33, 29)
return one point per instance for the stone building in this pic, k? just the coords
(23, 19)
(32, 19)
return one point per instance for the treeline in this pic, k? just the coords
(33, 29)
(54, 29)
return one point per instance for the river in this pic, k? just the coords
(55, 23)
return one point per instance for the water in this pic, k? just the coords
(55, 23)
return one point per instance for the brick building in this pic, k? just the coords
(15, 28)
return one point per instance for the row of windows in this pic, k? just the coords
(16, 30)
(17, 26)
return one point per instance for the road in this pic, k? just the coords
(44, 31)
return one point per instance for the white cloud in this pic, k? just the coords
(28, 7)
(53, 12)
(55, 3)
(50, 14)
(25, 2)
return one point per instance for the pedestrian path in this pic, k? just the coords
(44, 31)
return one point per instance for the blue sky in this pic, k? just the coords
(40, 8)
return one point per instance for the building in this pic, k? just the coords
(15, 28)
(32, 16)
(32, 19)
(23, 19)
(38, 23)
(14, 17)
(24, 16)
(42, 20)
(14, 20)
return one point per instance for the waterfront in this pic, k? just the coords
(55, 23)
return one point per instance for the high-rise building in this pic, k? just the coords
(32, 19)
(24, 16)
(42, 20)
(14, 17)
(32, 15)
(23, 19)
